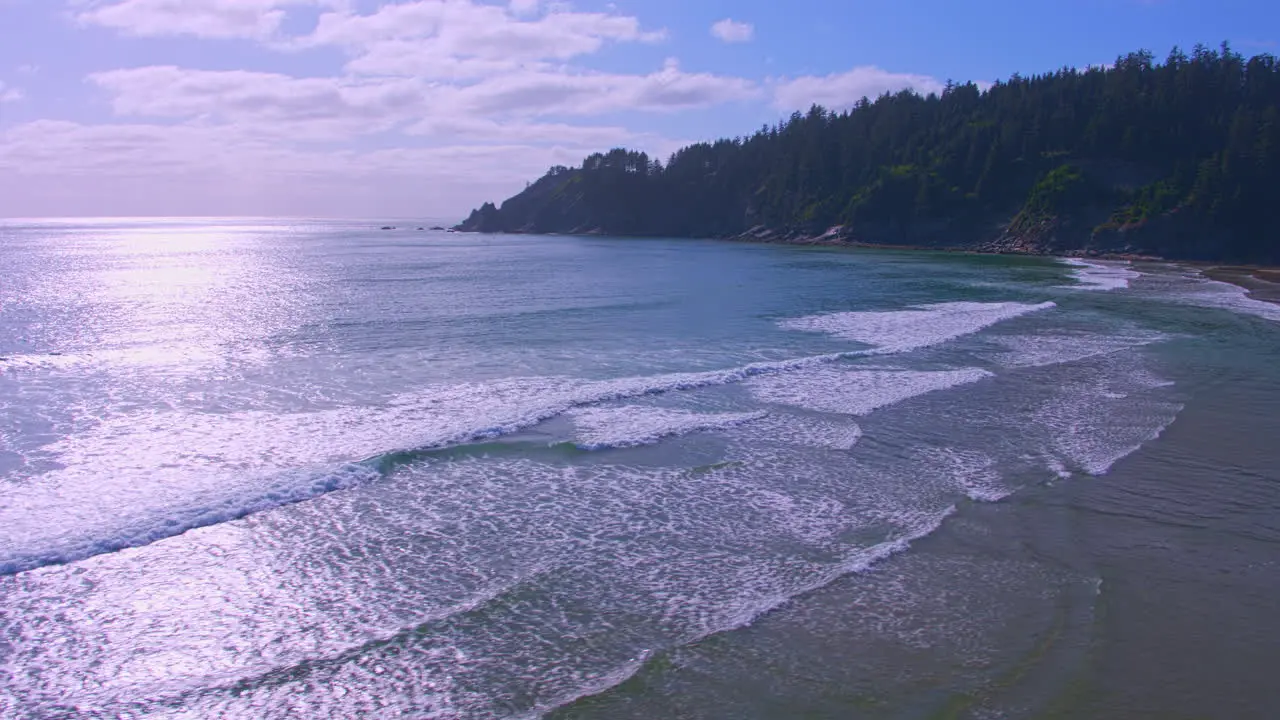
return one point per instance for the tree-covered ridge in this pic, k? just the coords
(1179, 159)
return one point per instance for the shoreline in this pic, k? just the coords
(825, 241)
(1131, 594)
(1260, 282)
(835, 240)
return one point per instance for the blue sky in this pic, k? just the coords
(425, 108)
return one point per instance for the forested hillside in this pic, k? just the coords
(1178, 159)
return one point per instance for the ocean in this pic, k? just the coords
(313, 469)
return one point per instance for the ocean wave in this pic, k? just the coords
(1100, 275)
(1094, 423)
(747, 613)
(1225, 296)
(601, 679)
(602, 428)
(1042, 350)
(921, 326)
(430, 642)
(974, 473)
(454, 556)
(490, 559)
(35, 537)
(137, 479)
(822, 433)
(857, 391)
(41, 361)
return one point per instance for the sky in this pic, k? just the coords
(426, 108)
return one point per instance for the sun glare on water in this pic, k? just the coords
(177, 294)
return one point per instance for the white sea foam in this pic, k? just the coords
(861, 560)
(1095, 423)
(856, 391)
(702, 554)
(823, 433)
(136, 479)
(975, 473)
(1100, 275)
(1044, 350)
(1225, 296)
(29, 361)
(1054, 463)
(746, 613)
(600, 428)
(138, 355)
(920, 326)
(594, 686)
(139, 478)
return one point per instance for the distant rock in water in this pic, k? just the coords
(1177, 160)
(436, 227)
(388, 227)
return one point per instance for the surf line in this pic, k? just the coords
(297, 486)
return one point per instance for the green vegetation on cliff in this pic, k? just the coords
(1179, 159)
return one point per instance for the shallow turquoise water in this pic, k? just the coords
(268, 469)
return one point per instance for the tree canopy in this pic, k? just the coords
(1179, 159)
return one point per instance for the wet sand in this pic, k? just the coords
(1262, 283)
(1151, 592)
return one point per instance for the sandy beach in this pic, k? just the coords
(1263, 283)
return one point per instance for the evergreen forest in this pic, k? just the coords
(1177, 158)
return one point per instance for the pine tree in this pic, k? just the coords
(1194, 139)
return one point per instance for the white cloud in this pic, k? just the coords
(56, 147)
(202, 18)
(304, 108)
(324, 109)
(464, 99)
(60, 147)
(485, 130)
(344, 108)
(842, 90)
(139, 169)
(534, 93)
(435, 67)
(415, 59)
(524, 7)
(9, 94)
(244, 142)
(462, 39)
(733, 32)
